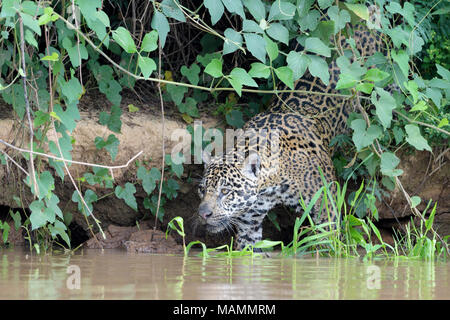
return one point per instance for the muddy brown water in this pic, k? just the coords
(116, 274)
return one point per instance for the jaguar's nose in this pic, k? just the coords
(204, 211)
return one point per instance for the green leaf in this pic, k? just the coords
(77, 53)
(41, 118)
(444, 73)
(239, 77)
(176, 92)
(259, 70)
(204, 60)
(17, 219)
(112, 120)
(281, 10)
(351, 69)
(53, 57)
(5, 231)
(236, 83)
(324, 31)
(176, 168)
(111, 145)
(256, 45)
(29, 38)
(365, 87)
(278, 32)
(362, 137)
(47, 16)
(234, 6)
(179, 229)
(103, 18)
(316, 45)
(310, 21)
(359, 9)
(160, 24)
(285, 74)
(189, 107)
(132, 108)
(323, 4)
(340, 18)
(271, 48)
(89, 198)
(413, 90)
(150, 41)
(98, 26)
(149, 178)
(298, 62)
(444, 122)
(52, 204)
(191, 73)
(402, 59)
(46, 184)
(31, 23)
(398, 36)
(89, 8)
(127, 194)
(215, 8)
(346, 81)
(235, 118)
(37, 217)
(59, 229)
(123, 37)
(71, 89)
(407, 12)
(251, 26)
(147, 66)
(389, 162)
(435, 95)
(65, 143)
(214, 68)
(170, 189)
(256, 9)
(384, 106)
(414, 138)
(319, 68)
(232, 42)
(415, 201)
(170, 9)
(304, 7)
(375, 75)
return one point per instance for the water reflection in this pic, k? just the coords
(115, 274)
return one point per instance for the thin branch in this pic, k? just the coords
(71, 161)
(27, 105)
(417, 213)
(162, 132)
(60, 150)
(13, 161)
(78, 41)
(422, 123)
(188, 85)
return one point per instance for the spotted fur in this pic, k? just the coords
(238, 189)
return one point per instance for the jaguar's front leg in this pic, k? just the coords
(249, 228)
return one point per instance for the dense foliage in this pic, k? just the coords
(61, 49)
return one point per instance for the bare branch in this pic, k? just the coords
(72, 161)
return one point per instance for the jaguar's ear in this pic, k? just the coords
(252, 166)
(206, 157)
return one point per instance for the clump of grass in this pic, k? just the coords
(418, 241)
(351, 236)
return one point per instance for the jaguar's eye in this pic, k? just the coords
(225, 191)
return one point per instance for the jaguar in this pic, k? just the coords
(239, 187)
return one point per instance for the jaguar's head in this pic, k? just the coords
(228, 190)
